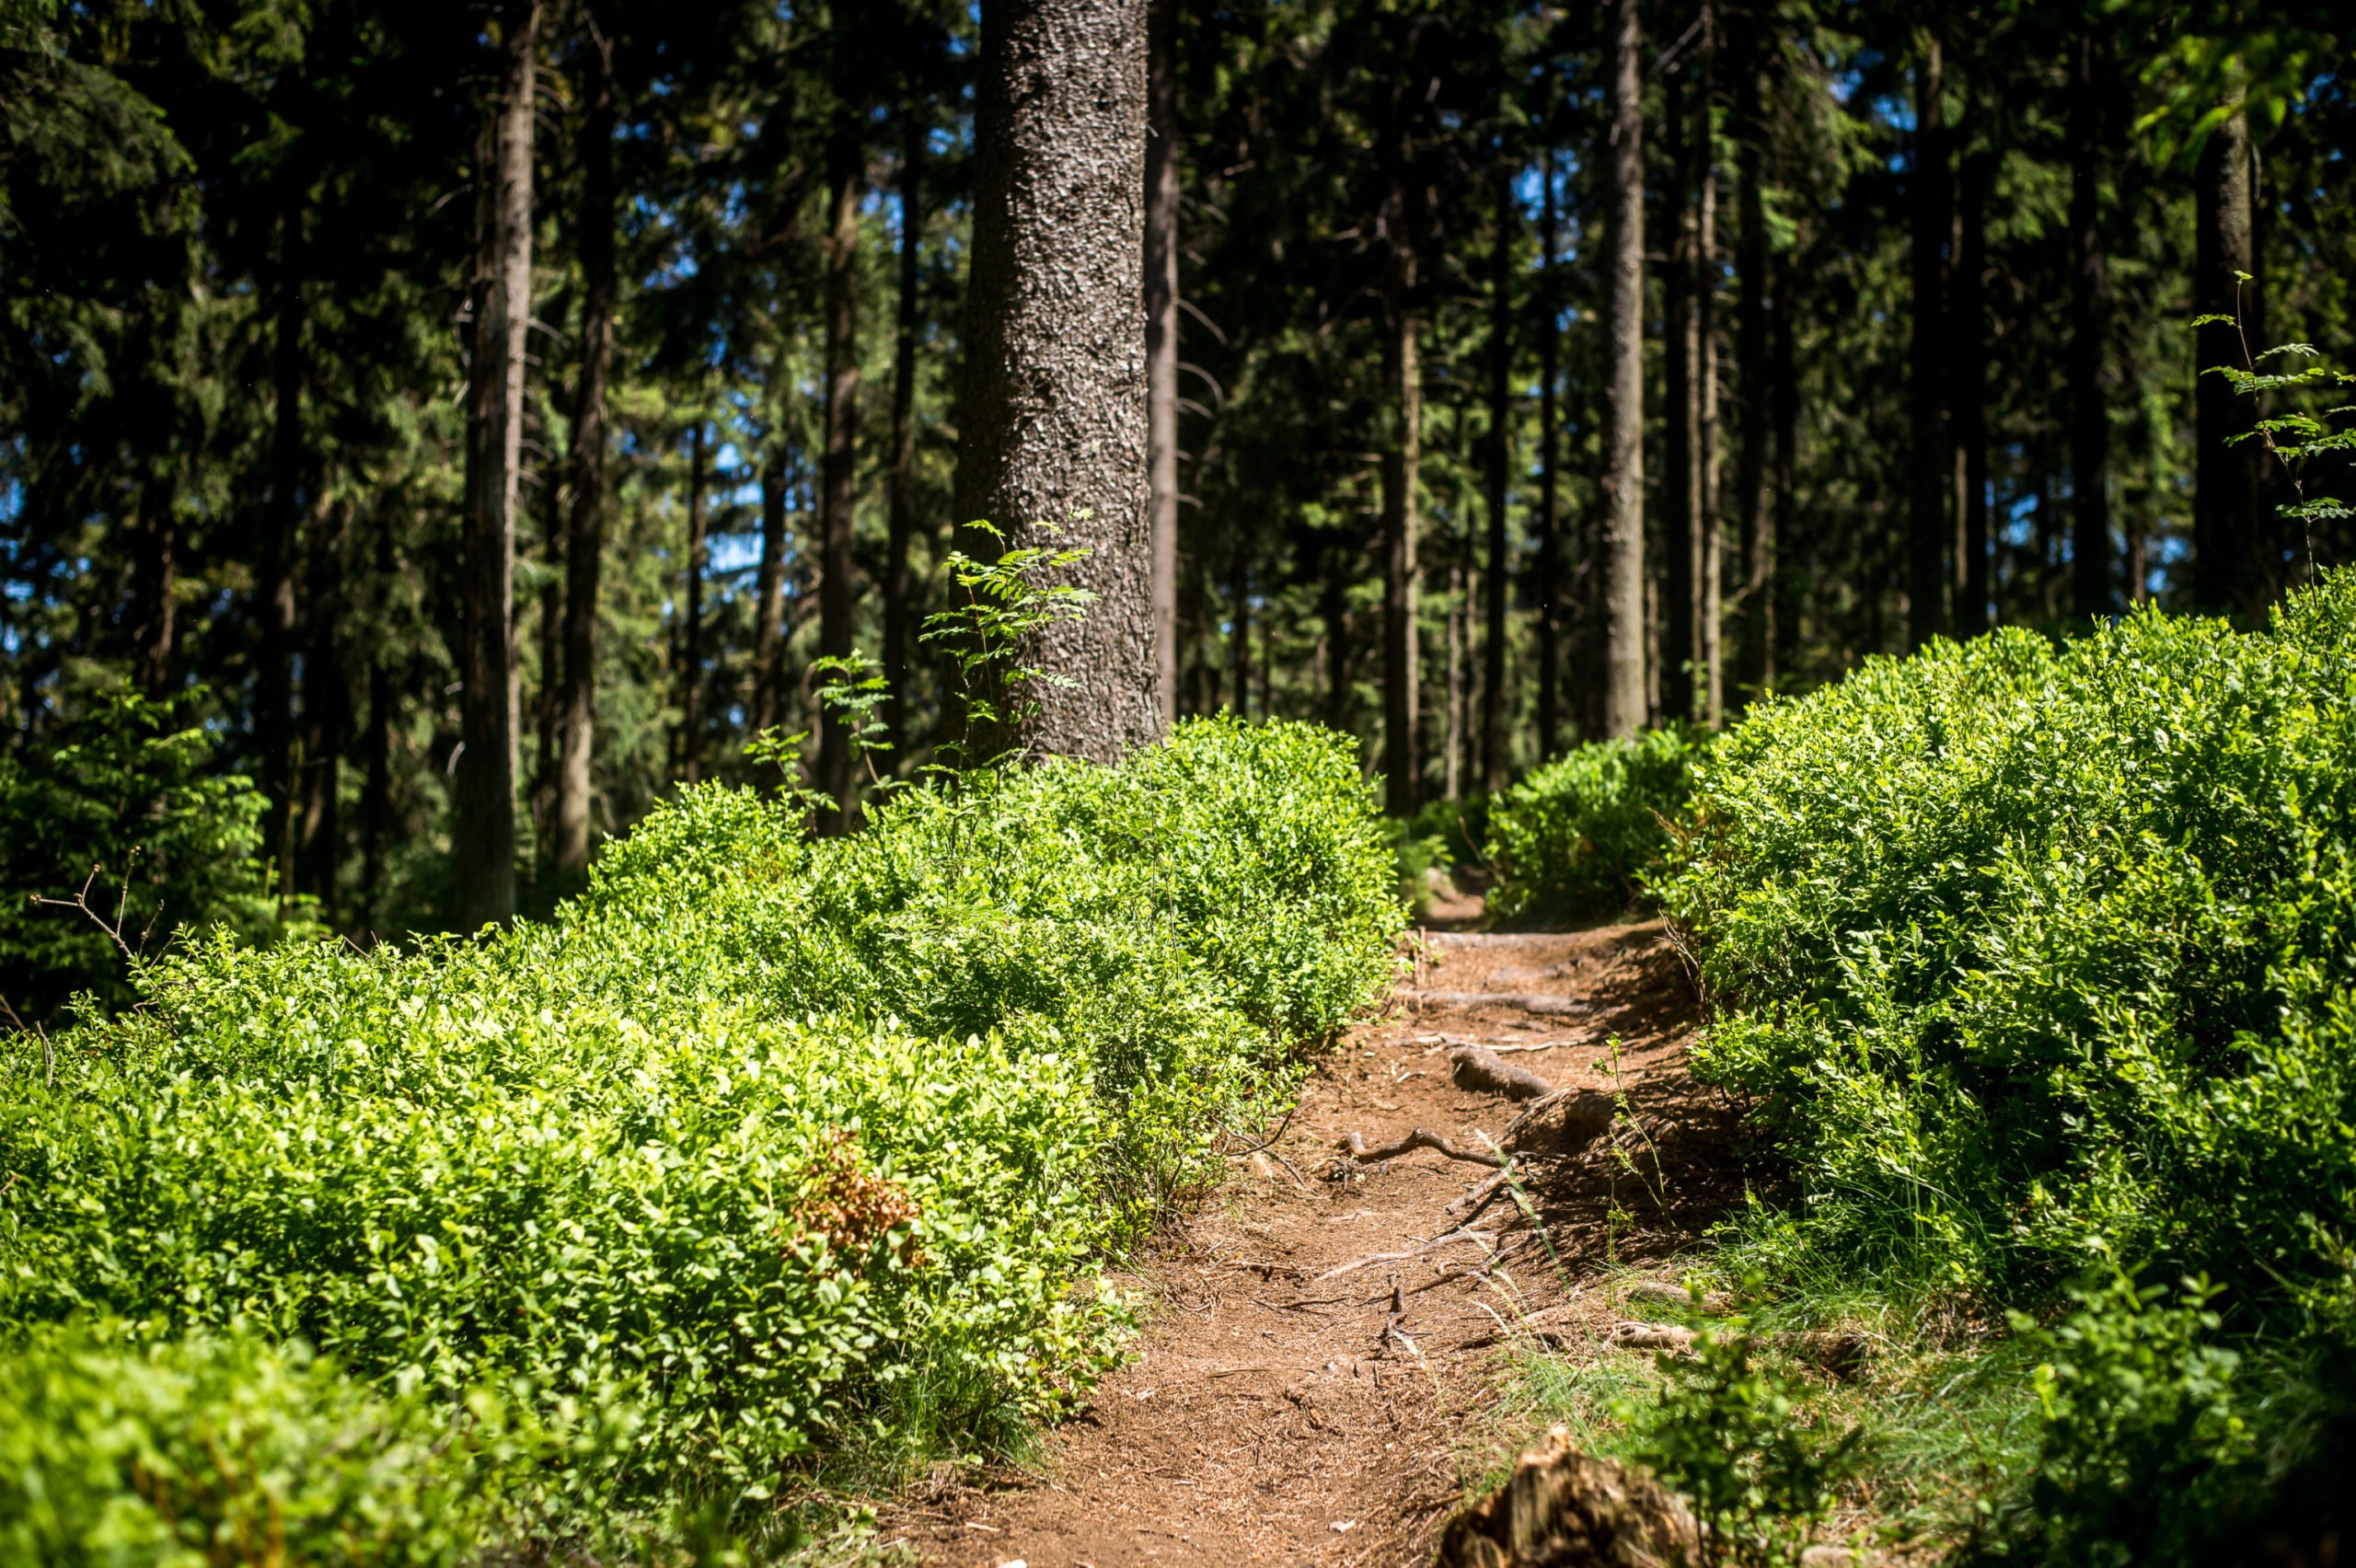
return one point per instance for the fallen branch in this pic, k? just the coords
(1483, 1237)
(1421, 1137)
(1528, 1001)
(1478, 1068)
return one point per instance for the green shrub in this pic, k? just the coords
(1574, 838)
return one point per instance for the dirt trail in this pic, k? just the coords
(1278, 1409)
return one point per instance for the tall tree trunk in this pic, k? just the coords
(1784, 377)
(281, 540)
(548, 711)
(1333, 608)
(1053, 415)
(1685, 664)
(1162, 339)
(899, 618)
(1756, 674)
(327, 711)
(482, 834)
(1494, 716)
(1239, 644)
(1622, 558)
(376, 787)
(1451, 747)
(1930, 465)
(1709, 614)
(1969, 319)
(155, 583)
(1549, 565)
(584, 549)
(1401, 480)
(838, 601)
(768, 606)
(2228, 556)
(2090, 325)
(691, 620)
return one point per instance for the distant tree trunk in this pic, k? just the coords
(327, 711)
(1162, 339)
(376, 787)
(1334, 610)
(1969, 319)
(1756, 675)
(548, 711)
(1929, 539)
(274, 577)
(482, 833)
(838, 601)
(1622, 558)
(691, 618)
(153, 584)
(2228, 539)
(2090, 325)
(1239, 643)
(899, 619)
(1053, 416)
(1549, 565)
(1494, 717)
(584, 550)
(1452, 720)
(1684, 663)
(768, 610)
(1401, 480)
(1783, 379)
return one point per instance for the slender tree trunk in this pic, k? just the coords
(1622, 558)
(769, 611)
(1053, 415)
(1161, 340)
(1401, 480)
(899, 618)
(482, 835)
(1757, 518)
(838, 601)
(1684, 670)
(1970, 360)
(376, 787)
(274, 584)
(1784, 377)
(549, 715)
(327, 712)
(1494, 716)
(2228, 557)
(1334, 610)
(1929, 539)
(2090, 323)
(1452, 720)
(1709, 615)
(1549, 565)
(584, 550)
(691, 620)
(1239, 644)
(155, 582)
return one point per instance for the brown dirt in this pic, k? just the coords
(1277, 1409)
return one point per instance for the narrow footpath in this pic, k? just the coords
(1328, 1335)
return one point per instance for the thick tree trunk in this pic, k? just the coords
(1930, 464)
(1161, 340)
(2090, 574)
(899, 611)
(1548, 567)
(1622, 558)
(1968, 323)
(155, 582)
(2228, 539)
(1756, 672)
(1053, 415)
(837, 601)
(691, 619)
(1495, 717)
(584, 549)
(482, 834)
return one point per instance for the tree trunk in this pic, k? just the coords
(584, 550)
(1494, 716)
(1452, 720)
(2090, 323)
(1929, 539)
(1784, 377)
(1334, 610)
(1968, 320)
(1622, 558)
(2228, 555)
(377, 788)
(899, 618)
(1401, 479)
(274, 582)
(482, 834)
(1053, 416)
(548, 712)
(1162, 339)
(327, 710)
(691, 620)
(1684, 662)
(838, 601)
(1756, 674)
(1239, 644)
(1549, 565)
(768, 609)
(155, 583)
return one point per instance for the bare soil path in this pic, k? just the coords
(1311, 1386)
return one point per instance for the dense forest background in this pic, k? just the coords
(1914, 302)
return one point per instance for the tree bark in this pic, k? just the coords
(838, 599)
(1969, 322)
(1495, 717)
(1239, 644)
(482, 835)
(1622, 557)
(1784, 377)
(327, 707)
(155, 583)
(1930, 465)
(691, 620)
(2090, 574)
(1401, 480)
(1549, 564)
(1334, 610)
(585, 546)
(768, 609)
(1053, 416)
(899, 618)
(1162, 339)
(274, 584)
(1756, 674)
(1686, 664)
(2228, 554)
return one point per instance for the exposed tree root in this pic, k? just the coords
(1541, 1002)
(1421, 1137)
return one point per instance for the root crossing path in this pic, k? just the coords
(1328, 1336)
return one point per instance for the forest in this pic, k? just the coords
(711, 714)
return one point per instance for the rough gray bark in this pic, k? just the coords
(1161, 340)
(2227, 555)
(1495, 717)
(1928, 536)
(1621, 555)
(899, 619)
(586, 543)
(2090, 325)
(837, 494)
(482, 833)
(1053, 414)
